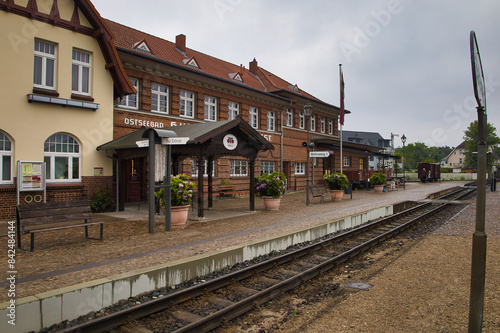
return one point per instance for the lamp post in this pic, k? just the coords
(403, 139)
(308, 113)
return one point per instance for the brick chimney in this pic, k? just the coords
(253, 66)
(180, 43)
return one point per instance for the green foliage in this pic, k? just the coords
(471, 137)
(378, 179)
(101, 200)
(271, 184)
(224, 182)
(181, 192)
(419, 152)
(336, 181)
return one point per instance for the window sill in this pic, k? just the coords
(46, 92)
(82, 97)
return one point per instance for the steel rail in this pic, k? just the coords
(228, 313)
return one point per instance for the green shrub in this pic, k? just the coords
(101, 200)
(378, 179)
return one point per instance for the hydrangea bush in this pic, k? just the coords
(181, 192)
(336, 181)
(271, 184)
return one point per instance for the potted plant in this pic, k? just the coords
(337, 184)
(181, 192)
(378, 180)
(270, 187)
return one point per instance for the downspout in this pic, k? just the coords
(117, 179)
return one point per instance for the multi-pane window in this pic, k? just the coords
(62, 158)
(330, 126)
(238, 168)
(187, 104)
(254, 117)
(302, 120)
(347, 161)
(271, 121)
(313, 123)
(289, 117)
(210, 108)
(80, 72)
(44, 70)
(5, 159)
(300, 168)
(130, 101)
(323, 125)
(268, 167)
(234, 110)
(194, 168)
(159, 98)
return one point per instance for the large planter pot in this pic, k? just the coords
(378, 188)
(179, 215)
(337, 194)
(271, 203)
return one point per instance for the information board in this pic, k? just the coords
(30, 177)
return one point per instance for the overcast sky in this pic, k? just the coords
(406, 63)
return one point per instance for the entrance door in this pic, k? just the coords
(288, 174)
(329, 164)
(133, 172)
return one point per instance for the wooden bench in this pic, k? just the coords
(320, 191)
(52, 216)
(226, 190)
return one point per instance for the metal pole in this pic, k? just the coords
(307, 162)
(167, 185)
(151, 190)
(404, 172)
(478, 269)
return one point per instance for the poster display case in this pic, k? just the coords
(31, 177)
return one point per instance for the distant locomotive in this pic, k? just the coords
(433, 171)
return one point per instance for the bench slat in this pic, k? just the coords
(66, 227)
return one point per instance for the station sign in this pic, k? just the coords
(142, 143)
(319, 153)
(182, 140)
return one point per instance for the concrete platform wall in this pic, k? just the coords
(46, 309)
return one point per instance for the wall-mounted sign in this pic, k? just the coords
(30, 177)
(230, 142)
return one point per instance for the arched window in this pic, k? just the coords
(62, 158)
(5, 159)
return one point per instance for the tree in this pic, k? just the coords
(471, 137)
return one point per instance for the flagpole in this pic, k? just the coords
(341, 116)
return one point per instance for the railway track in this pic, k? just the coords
(205, 306)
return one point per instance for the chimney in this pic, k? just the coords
(180, 43)
(253, 66)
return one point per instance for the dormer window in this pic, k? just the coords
(294, 88)
(142, 46)
(191, 62)
(236, 76)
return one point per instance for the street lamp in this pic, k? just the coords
(403, 139)
(308, 109)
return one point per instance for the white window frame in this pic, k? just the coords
(254, 117)
(131, 101)
(330, 126)
(186, 104)
(322, 125)
(300, 168)
(47, 53)
(6, 159)
(234, 110)
(194, 168)
(312, 121)
(302, 120)
(159, 98)
(289, 117)
(271, 121)
(62, 146)
(268, 167)
(238, 168)
(210, 108)
(347, 161)
(82, 63)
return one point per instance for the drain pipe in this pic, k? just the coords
(117, 179)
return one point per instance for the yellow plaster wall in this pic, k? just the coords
(30, 124)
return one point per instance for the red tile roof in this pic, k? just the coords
(163, 50)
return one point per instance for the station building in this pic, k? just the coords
(60, 77)
(77, 81)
